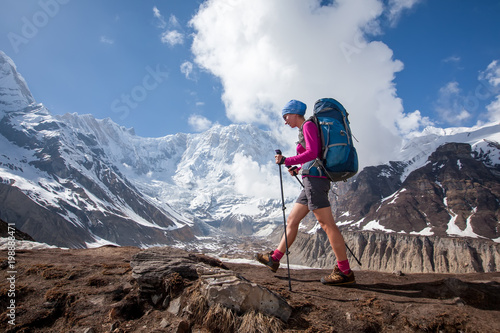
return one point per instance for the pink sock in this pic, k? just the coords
(344, 266)
(277, 255)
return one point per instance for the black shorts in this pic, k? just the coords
(315, 193)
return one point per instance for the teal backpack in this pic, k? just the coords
(339, 159)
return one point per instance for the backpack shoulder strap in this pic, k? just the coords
(302, 140)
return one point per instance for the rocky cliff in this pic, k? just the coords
(384, 252)
(454, 194)
(10, 232)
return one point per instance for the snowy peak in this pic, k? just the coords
(91, 181)
(14, 92)
(455, 193)
(60, 176)
(417, 151)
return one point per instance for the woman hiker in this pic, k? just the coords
(313, 197)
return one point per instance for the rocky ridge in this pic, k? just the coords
(454, 194)
(390, 253)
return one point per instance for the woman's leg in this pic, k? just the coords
(272, 259)
(325, 219)
(342, 274)
(299, 211)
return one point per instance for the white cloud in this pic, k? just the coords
(413, 121)
(172, 37)
(451, 88)
(452, 59)
(156, 12)
(450, 104)
(306, 52)
(491, 88)
(160, 20)
(173, 21)
(396, 8)
(259, 180)
(106, 40)
(199, 123)
(187, 69)
(492, 76)
(494, 110)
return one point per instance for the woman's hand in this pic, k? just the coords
(280, 159)
(293, 171)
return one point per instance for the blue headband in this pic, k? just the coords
(295, 107)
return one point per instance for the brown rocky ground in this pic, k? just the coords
(93, 291)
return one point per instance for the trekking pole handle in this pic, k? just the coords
(278, 152)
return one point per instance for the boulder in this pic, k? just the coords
(238, 294)
(160, 271)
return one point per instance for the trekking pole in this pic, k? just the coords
(344, 242)
(353, 255)
(278, 152)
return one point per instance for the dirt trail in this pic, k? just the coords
(75, 290)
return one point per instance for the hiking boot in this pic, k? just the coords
(266, 259)
(338, 278)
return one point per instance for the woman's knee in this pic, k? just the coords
(324, 217)
(327, 225)
(298, 212)
(293, 221)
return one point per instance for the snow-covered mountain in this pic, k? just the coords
(454, 194)
(416, 152)
(74, 180)
(90, 172)
(446, 183)
(77, 181)
(14, 92)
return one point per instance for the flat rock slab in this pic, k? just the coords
(218, 284)
(235, 292)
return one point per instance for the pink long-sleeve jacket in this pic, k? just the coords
(312, 150)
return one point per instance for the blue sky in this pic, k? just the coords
(165, 67)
